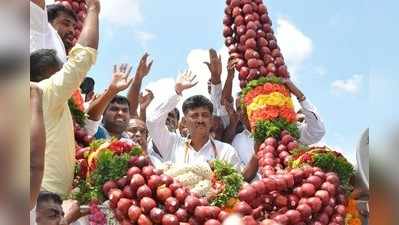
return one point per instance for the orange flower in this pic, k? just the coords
(273, 112)
(78, 100)
(264, 90)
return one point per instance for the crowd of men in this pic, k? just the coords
(207, 129)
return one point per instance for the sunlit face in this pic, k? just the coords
(137, 131)
(198, 121)
(116, 118)
(49, 213)
(65, 27)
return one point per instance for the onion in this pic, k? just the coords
(181, 195)
(280, 183)
(223, 215)
(298, 175)
(182, 215)
(320, 174)
(328, 210)
(259, 187)
(212, 222)
(154, 182)
(281, 147)
(293, 200)
(148, 171)
(294, 216)
(175, 185)
(108, 186)
(247, 194)
(193, 221)
(340, 210)
(201, 213)
(124, 205)
(144, 191)
(249, 220)
(286, 138)
(250, 43)
(242, 208)
(169, 219)
(114, 195)
(239, 20)
(133, 170)
(305, 210)
(265, 19)
(315, 180)
(308, 189)
(247, 9)
(324, 196)
(289, 179)
(315, 203)
(235, 3)
(147, 204)
(156, 215)
(122, 182)
(227, 20)
(251, 25)
(171, 205)
(270, 184)
(119, 215)
(323, 218)
(249, 17)
(329, 187)
(272, 44)
(271, 141)
(144, 220)
(332, 178)
(270, 149)
(167, 180)
(142, 161)
(236, 11)
(136, 181)
(214, 212)
(163, 193)
(281, 201)
(338, 219)
(293, 144)
(332, 202)
(190, 203)
(282, 219)
(134, 213)
(127, 192)
(269, 222)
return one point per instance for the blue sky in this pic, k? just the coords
(326, 44)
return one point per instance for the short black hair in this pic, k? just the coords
(45, 196)
(176, 111)
(119, 99)
(87, 85)
(40, 61)
(197, 101)
(53, 11)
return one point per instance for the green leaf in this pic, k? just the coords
(273, 128)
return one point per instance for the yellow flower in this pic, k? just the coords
(272, 99)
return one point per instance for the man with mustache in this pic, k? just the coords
(199, 147)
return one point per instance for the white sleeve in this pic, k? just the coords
(91, 126)
(156, 119)
(38, 27)
(312, 129)
(218, 108)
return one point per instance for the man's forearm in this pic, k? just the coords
(133, 96)
(143, 114)
(98, 106)
(230, 132)
(228, 88)
(90, 32)
(37, 149)
(251, 169)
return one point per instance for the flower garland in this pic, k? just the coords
(352, 213)
(75, 104)
(265, 89)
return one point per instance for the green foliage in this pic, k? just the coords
(232, 180)
(78, 116)
(273, 128)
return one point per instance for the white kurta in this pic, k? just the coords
(175, 149)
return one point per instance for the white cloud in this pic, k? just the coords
(351, 85)
(121, 12)
(294, 44)
(144, 37)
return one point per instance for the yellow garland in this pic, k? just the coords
(273, 99)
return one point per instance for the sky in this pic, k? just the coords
(336, 52)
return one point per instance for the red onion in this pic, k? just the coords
(156, 215)
(147, 204)
(308, 189)
(315, 203)
(163, 193)
(134, 213)
(242, 208)
(169, 219)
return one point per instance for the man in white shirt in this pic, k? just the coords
(311, 127)
(43, 35)
(200, 147)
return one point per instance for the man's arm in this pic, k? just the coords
(312, 130)
(37, 143)
(230, 131)
(133, 95)
(120, 81)
(145, 100)
(59, 87)
(157, 129)
(251, 169)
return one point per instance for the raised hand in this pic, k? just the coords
(120, 77)
(185, 81)
(93, 4)
(231, 64)
(294, 89)
(144, 67)
(146, 98)
(214, 66)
